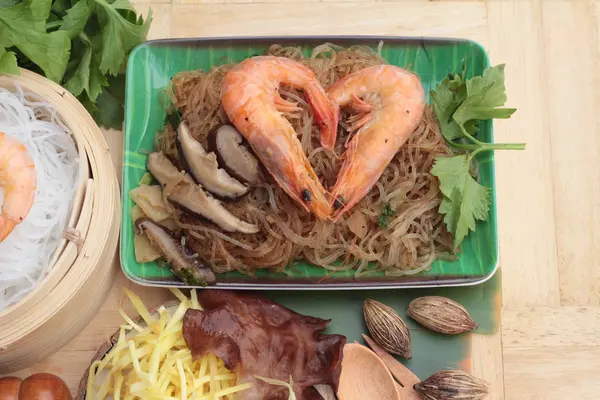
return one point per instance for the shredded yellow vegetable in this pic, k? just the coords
(153, 362)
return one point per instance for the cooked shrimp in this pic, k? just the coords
(18, 180)
(390, 102)
(251, 100)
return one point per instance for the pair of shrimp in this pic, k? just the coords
(18, 181)
(390, 102)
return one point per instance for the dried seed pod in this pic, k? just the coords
(441, 314)
(387, 328)
(452, 384)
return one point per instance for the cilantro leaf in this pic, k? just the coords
(109, 107)
(122, 5)
(81, 44)
(119, 36)
(24, 26)
(460, 104)
(446, 98)
(8, 62)
(76, 18)
(60, 6)
(485, 95)
(86, 76)
(465, 200)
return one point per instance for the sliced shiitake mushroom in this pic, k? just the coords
(234, 155)
(186, 266)
(191, 197)
(204, 167)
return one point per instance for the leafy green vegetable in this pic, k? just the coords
(81, 44)
(75, 19)
(110, 103)
(8, 61)
(460, 104)
(465, 200)
(24, 26)
(386, 213)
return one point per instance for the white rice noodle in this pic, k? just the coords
(26, 253)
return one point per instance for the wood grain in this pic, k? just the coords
(574, 134)
(524, 179)
(548, 195)
(455, 19)
(551, 327)
(555, 373)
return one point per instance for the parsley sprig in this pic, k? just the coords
(460, 104)
(386, 213)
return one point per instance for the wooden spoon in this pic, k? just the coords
(364, 376)
(404, 375)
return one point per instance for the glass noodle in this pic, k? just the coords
(415, 234)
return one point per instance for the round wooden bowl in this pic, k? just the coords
(83, 267)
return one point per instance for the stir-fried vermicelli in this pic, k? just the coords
(404, 241)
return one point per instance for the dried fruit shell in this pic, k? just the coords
(441, 314)
(452, 384)
(387, 328)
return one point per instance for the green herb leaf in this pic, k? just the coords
(386, 213)
(8, 62)
(75, 43)
(485, 95)
(24, 26)
(76, 18)
(465, 200)
(8, 3)
(60, 6)
(86, 76)
(460, 105)
(119, 36)
(110, 107)
(446, 98)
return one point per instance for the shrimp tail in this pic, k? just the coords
(325, 113)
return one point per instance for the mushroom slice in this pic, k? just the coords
(190, 196)
(187, 267)
(204, 167)
(234, 156)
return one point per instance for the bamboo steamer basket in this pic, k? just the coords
(83, 267)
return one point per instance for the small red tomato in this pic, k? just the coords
(44, 387)
(9, 388)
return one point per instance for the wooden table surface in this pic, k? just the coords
(548, 196)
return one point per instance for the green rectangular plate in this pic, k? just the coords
(151, 66)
